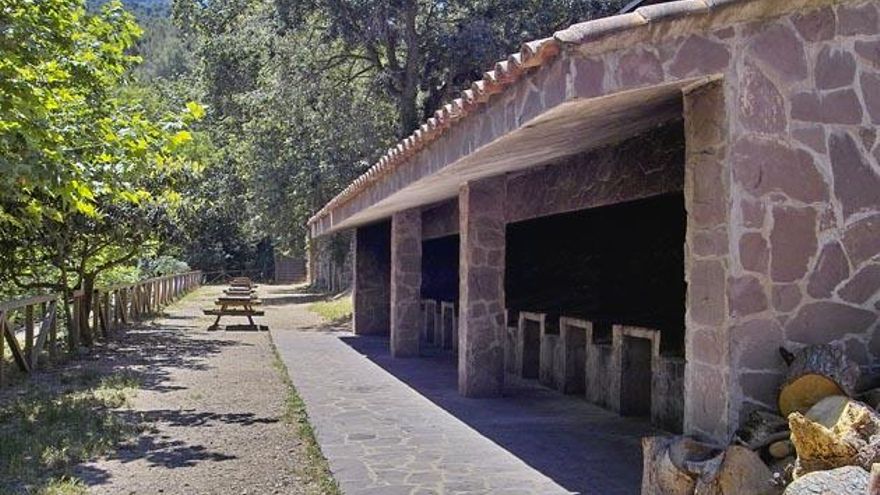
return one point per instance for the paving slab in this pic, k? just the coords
(392, 426)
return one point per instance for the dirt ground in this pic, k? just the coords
(212, 405)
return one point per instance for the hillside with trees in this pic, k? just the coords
(208, 132)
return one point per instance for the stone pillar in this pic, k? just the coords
(707, 385)
(406, 282)
(311, 261)
(371, 280)
(481, 288)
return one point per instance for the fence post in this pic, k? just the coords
(28, 329)
(53, 331)
(125, 313)
(115, 310)
(2, 344)
(96, 309)
(105, 313)
(74, 320)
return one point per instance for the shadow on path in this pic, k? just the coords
(580, 446)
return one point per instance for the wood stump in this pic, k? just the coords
(741, 472)
(816, 372)
(673, 464)
(836, 432)
(683, 466)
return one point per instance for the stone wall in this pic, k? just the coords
(781, 106)
(481, 322)
(289, 269)
(371, 287)
(440, 220)
(330, 262)
(783, 189)
(406, 283)
(805, 191)
(667, 404)
(643, 166)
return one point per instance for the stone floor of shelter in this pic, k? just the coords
(398, 426)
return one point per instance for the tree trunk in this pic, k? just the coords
(88, 288)
(816, 372)
(407, 105)
(72, 329)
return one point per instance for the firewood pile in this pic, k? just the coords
(824, 441)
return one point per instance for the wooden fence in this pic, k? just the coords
(110, 309)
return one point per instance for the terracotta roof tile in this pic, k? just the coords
(532, 55)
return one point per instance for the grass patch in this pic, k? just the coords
(45, 432)
(315, 471)
(333, 310)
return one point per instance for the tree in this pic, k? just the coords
(419, 52)
(91, 166)
(304, 95)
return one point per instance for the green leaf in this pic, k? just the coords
(180, 138)
(197, 111)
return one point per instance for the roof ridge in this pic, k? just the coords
(532, 54)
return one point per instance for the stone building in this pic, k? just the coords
(639, 209)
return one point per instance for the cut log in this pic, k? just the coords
(816, 372)
(673, 464)
(741, 472)
(840, 481)
(762, 428)
(835, 432)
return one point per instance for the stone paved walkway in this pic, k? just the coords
(390, 426)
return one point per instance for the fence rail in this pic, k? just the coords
(224, 276)
(108, 309)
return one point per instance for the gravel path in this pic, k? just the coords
(213, 404)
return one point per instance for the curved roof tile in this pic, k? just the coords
(532, 56)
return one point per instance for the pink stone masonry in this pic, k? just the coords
(406, 282)
(481, 323)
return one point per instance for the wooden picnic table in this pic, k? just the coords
(236, 306)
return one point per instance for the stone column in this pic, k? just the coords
(311, 261)
(371, 280)
(481, 288)
(707, 382)
(406, 282)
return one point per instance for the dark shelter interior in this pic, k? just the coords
(440, 268)
(618, 264)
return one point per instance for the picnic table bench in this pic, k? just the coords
(239, 291)
(239, 282)
(236, 305)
